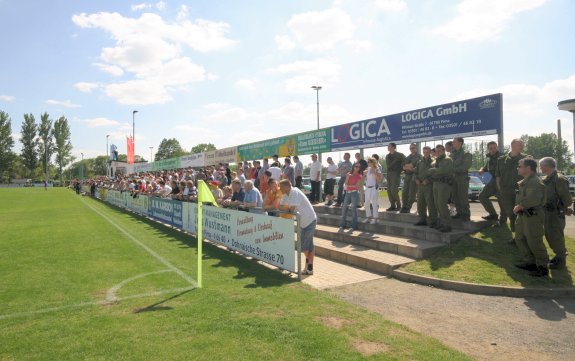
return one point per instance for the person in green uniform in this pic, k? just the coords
(394, 160)
(425, 204)
(557, 207)
(460, 188)
(490, 188)
(409, 190)
(441, 173)
(529, 226)
(507, 179)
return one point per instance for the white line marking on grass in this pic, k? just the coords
(111, 294)
(189, 279)
(95, 303)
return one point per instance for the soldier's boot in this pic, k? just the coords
(541, 271)
(421, 223)
(526, 266)
(444, 229)
(491, 217)
(557, 263)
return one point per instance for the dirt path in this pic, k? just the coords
(485, 327)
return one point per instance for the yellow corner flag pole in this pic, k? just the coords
(204, 195)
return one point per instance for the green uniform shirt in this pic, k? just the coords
(557, 191)
(394, 161)
(531, 192)
(507, 169)
(422, 167)
(461, 161)
(491, 165)
(411, 159)
(442, 167)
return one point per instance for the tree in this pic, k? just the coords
(169, 148)
(29, 154)
(6, 144)
(46, 146)
(203, 147)
(100, 165)
(62, 144)
(547, 145)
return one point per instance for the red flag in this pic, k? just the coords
(130, 150)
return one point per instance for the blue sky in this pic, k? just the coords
(230, 72)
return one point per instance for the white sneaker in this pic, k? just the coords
(340, 229)
(366, 220)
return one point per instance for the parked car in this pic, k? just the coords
(475, 187)
(571, 179)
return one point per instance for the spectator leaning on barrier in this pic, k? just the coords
(343, 168)
(238, 193)
(295, 201)
(460, 190)
(372, 176)
(556, 208)
(272, 197)
(490, 189)
(394, 160)
(253, 198)
(329, 183)
(315, 178)
(409, 190)
(298, 171)
(530, 222)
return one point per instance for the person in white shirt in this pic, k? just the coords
(315, 179)
(372, 178)
(329, 183)
(276, 172)
(296, 201)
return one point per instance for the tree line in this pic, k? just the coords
(46, 148)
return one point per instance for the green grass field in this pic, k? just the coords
(487, 258)
(84, 281)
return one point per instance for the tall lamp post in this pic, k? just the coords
(107, 148)
(151, 151)
(82, 167)
(134, 130)
(569, 105)
(45, 158)
(317, 88)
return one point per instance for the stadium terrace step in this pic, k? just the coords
(475, 225)
(409, 247)
(395, 229)
(358, 256)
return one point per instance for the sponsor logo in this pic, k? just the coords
(487, 103)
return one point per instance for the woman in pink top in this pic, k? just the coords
(353, 182)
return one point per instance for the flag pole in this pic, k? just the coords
(200, 223)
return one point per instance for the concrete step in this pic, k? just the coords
(396, 229)
(404, 246)
(358, 256)
(476, 223)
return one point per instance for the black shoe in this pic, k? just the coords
(526, 266)
(420, 223)
(502, 221)
(337, 205)
(491, 217)
(444, 229)
(391, 209)
(434, 226)
(403, 210)
(540, 271)
(557, 263)
(329, 203)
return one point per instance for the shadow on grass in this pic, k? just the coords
(246, 268)
(492, 245)
(157, 306)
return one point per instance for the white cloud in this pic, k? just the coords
(63, 103)
(138, 92)
(100, 122)
(246, 84)
(391, 5)
(86, 87)
(152, 50)
(360, 46)
(318, 30)
(303, 74)
(284, 42)
(479, 20)
(161, 5)
(142, 6)
(110, 69)
(7, 98)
